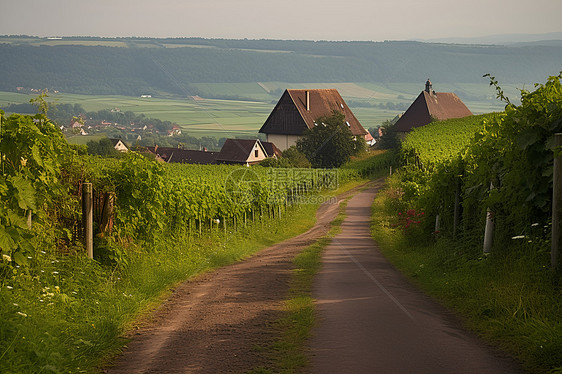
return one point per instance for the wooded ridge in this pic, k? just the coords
(169, 66)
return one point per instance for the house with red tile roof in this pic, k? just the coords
(428, 107)
(297, 111)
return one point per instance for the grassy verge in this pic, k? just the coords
(508, 297)
(288, 353)
(63, 318)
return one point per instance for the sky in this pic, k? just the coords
(372, 20)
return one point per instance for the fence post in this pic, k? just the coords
(456, 212)
(556, 197)
(88, 218)
(29, 223)
(489, 230)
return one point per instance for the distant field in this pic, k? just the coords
(214, 117)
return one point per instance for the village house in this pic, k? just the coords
(234, 151)
(430, 106)
(297, 111)
(119, 145)
(242, 151)
(183, 156)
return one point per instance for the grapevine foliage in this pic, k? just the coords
(499, 161)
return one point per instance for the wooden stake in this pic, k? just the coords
(88, 218)
(456, 212)
(556, 203)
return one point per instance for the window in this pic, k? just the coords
(256, 153)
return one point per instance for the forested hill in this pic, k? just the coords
(134, 66)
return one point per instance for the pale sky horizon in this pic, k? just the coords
(369, 20)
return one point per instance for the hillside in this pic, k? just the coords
(132, 66)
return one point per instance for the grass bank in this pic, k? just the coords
(508, 297)
(63, 318)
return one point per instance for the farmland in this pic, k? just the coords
(234, 109)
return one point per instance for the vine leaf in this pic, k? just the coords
(25, 193)
(6, 241)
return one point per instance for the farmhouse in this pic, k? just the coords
(297, 111)
(430, 106)
(242, 151)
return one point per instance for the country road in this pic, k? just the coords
(372, 320)
(213, 323)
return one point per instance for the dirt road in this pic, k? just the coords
(214, 323)
(372, 320)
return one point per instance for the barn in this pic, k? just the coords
(428, 107)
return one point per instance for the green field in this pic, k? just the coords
(219, 118)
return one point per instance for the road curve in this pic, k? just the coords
(372, 320)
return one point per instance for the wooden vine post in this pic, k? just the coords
(489, 230)
(88, 218)
(456, 212)
(556, 203)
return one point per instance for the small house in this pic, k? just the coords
(119, 145)
(242, 151)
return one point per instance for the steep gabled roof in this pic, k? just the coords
(185, 156)
(293, 113)
(115, 141)
(189, 156)
(238, 150)
(271, 149)
(429, 106)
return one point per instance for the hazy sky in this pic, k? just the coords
(283, 19)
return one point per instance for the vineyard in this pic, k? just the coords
(492, 174)
(163, 223)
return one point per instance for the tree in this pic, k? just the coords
(103, 147)
(290, 158)
(389, 138)
(296, 158)
(330, 144)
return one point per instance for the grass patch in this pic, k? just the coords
(288, 354)
(509, 297)
(62, 318)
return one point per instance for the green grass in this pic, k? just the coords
(509, 297)
(66, 314)
(288, 354)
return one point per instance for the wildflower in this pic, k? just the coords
(10, 287)
(6, 257)
(21, 314)
(534, 225)
(57, 289)
(16, 304)
(518, 237)
(55, 272)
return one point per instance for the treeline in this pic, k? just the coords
(134, 71)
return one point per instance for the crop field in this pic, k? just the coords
(228, 117)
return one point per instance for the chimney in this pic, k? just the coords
(428, 86)
(307, 101)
